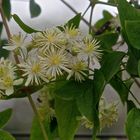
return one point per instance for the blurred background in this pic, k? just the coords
(55, 12)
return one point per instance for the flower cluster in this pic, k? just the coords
(8, 77)
(49, 55)
(108, 114)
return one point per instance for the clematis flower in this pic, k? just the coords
(6, 68)
(90, 49)
(8, 82)
(78, 69)
(56, 62)
(72, 34)
(50, 38)
(33, 70)
(16, 42)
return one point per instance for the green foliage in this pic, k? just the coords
(23, 26)
(106, 17)
(68, 90)
(1, 26)
(133, 124)
(133, 32)
(21, 93)
(111, 64)
(35, 9)
(139, 68)
(4, 117)
(122, 87)
(132, 64)
(6, 136)
(36, 133)
(75, 21)
(66, 114)
(130, 13)
(107, 40)
(130, 105)
(113, 1)
(3, 53)
(85, 102)
(98, 88)
(6, 5)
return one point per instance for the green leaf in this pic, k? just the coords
(132, 64)
(4, 117)
(35, 9)
(106, 17)
(122, 87)
(130, 105)
(23, 26)
(98, 88)
(133, 32)
(111, 64)
(6, 136)
(67, 90)
(6, 5)
(139, 68)
(130, 13)
(20, 92)
(1, 27)
(3, 53)
(133, 124)
(85, 102)
(113, 1)
(75, 21)
(107, 40)
(66, 114)
(103, 25)
(36, 133)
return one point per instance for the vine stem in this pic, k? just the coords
(90, 19)
(73, 10)
(17, 61)
(38, 116)
(86, 10)
(4, 21)
(129, 91)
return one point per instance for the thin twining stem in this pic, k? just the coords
(129, 91)
(72, 9)
(38, 116)
(17, 61)
(90, 19)
(4, 21)
(86, 10)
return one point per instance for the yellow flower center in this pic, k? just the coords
(36, 68)
(16, 39)
(89, 48)
(55, 60)
(50, 38)
(79, 66)
(72, 32)
(8, 81)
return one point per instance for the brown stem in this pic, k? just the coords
(38, 116)
(90, 19)
(4, 21)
